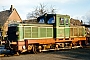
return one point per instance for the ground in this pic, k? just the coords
(73, 54)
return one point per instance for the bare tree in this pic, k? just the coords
(40, 10)
(53, 10)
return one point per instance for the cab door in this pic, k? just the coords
(67, 28)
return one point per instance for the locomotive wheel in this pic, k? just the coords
(34, 49)
(71, 44)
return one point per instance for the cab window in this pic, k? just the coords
(41, 20)
(66, 21)
(61, 21)
(51, 20)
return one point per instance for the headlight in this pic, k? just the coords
(17, 33)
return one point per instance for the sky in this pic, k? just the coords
(77, 9)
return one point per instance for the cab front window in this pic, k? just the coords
(41, 20)
(51, 20)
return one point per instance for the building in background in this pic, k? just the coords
(8, 17)
(75, 22)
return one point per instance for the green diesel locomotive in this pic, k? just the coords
(52, 32)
